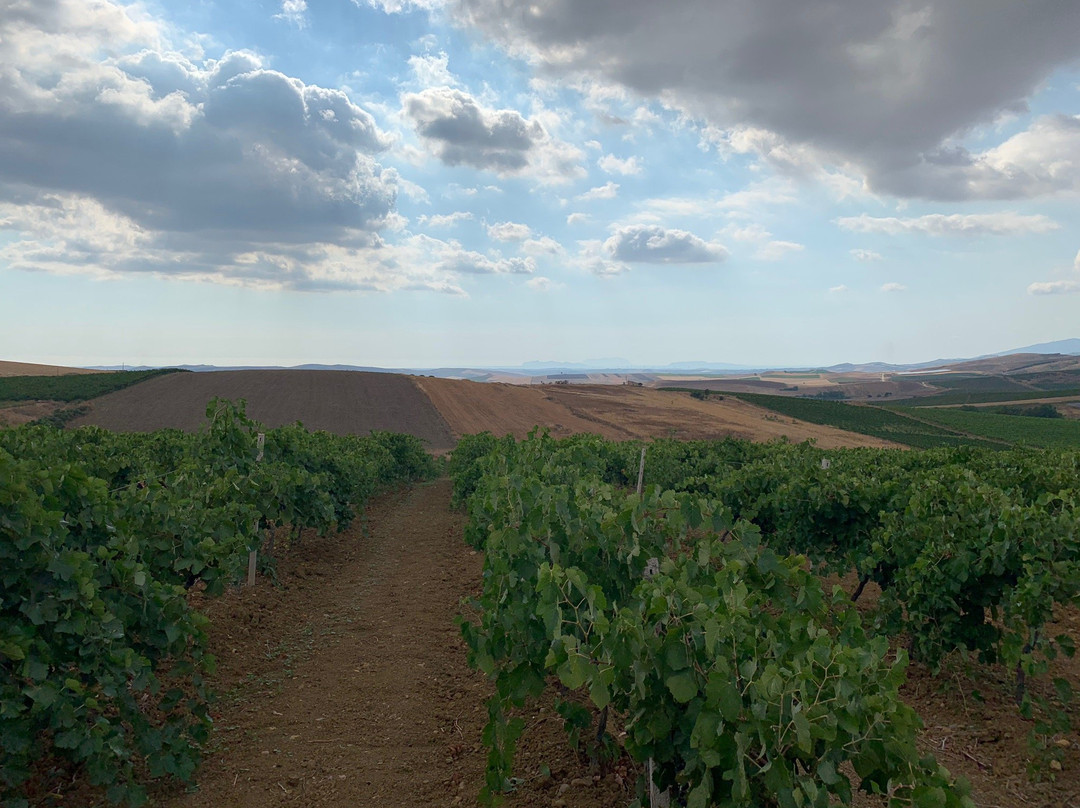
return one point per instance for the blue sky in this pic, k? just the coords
(481, 182)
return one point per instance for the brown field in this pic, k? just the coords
(29, 369)
(342, 402)
(618, 413)
(26, 411)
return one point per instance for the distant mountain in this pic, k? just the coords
(1062, 348)
(1070, 347)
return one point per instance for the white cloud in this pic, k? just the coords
(446, 219)
(415, 192)
(293, 12)
(610, 164)
(937, 224)
(542, 284)
(1054, 288)
(577, 218)
(120, 154)
(776, 250)
(401, 6)
(1065, 286)
(893, 287)
(459, 130)
(432, 70)
(609, 190)
(838, 290)
(509, 231)
(769, 249)
(545, 245)
(860, 254)
(656, 245)
(451, 259)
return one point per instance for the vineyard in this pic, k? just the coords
(696, 610)
(105, 538)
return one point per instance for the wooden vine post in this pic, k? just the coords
(657, 798)
(253, 556)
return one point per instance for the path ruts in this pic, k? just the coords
(351, 686)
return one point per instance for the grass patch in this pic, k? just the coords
(79, 387)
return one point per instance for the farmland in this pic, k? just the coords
(343, 403)
(878, 422)
(342, 678)
(74, 387)
(1046, 433)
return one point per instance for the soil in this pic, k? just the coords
(24, 412)
(617, 412)
(346, 684)
(30, 369)
(342, 402)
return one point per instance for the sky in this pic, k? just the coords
(433, 183)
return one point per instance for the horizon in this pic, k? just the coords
(425, 183)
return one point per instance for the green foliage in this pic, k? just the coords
(888, 424)
(745, 683)
(73, 387)
(1041, 432)
(969, 397)
(102, 662)
(1027, 410)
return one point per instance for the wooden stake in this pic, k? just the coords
(641, 471)
(253, 556)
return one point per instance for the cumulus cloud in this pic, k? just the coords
(609, 190)
(446, 219)
(577, 218)
(1054, 288)
(432, 70)
(459, 130)
(776, 250)
(866, 255)
(881, 89)
(1066, 286)
(893, 287)
(768, 248)
(956, 224)
(542, 284)
(838, 290)
(509, 231)
(610, 164)
(1040, 161)
(545, 245)
(650, 244)
(211, 168)
(293, 12)
(401, 6)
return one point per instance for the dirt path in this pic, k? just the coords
(363, 696)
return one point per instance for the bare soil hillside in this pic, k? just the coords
(618, 413)
(29, 369)
(342, 402)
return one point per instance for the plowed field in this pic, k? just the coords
(617, 412)
(345, 403)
